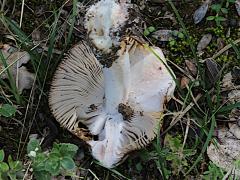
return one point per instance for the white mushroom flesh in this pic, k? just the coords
(104, 18)
(137, 78)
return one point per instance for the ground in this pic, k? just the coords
(179, 151)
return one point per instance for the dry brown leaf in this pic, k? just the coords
(200, 13)
(236, 75)
(204, 42)
(163, 35)
(184, 82)
(237, 5)
(191, 67)
(227, 81)
(234, 96)
(212, 70)
(226, 151)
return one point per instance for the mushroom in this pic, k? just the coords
(104, 18)
(126, 99)
(16, 60)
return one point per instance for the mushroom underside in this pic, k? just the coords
(83, 91)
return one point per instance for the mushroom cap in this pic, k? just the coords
(121, 104)
(14, 60)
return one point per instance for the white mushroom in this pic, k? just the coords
(15, 60)
(128, 98)
(104, 18)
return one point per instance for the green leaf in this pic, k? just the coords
(224, 10)
(228, 108)
(52, 165)
(146, 32)
(42, 175)
(210, 18)
(220, 18)
(3, 167)
(14, 165)
(216, 7)
(33, 145)
(2, 155)
(180, 35)
(39, 162)
(12, 175)
(139, 167)
(67, 163)
(151, 29)
(172, 43)
(67, 149)
(7, 110)
(231, 1)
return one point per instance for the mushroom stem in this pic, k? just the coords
(117, 83)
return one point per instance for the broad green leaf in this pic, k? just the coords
(146, 32)
(67, 149)
(151, 29)
(224, 10)
(139, 166)
(39, 162)
(180, 35)
(52, 165)
(14, 165)
(220, 18)
(12, 175)
(3, 167)
(42, 175)
(216, 7)
(210, 18)
(2, 155)
(7, 110)
(33, 145)
(67, 163)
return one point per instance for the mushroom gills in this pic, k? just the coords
(77, 86)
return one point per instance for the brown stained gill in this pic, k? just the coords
(83, 134)
(126, 111)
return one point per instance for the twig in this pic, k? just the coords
(225, 49)
(181, 114)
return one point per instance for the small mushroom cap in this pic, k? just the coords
(15, 61)
(77, 89)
